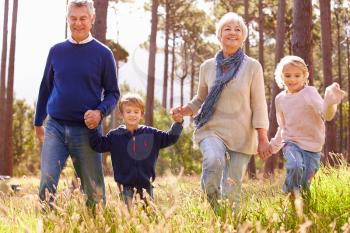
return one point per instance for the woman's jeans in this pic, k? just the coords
(301, 166)
(60, 141)
(222, 171)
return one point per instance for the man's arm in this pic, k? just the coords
(43, 97)
(110, 86)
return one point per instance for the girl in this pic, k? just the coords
(301, 113)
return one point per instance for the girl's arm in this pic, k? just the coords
(276, 142)
(332, 98)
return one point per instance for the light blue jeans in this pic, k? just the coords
(60, 141)
(301, 166)
(222, 170)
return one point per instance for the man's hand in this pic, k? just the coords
(92, 118)
(39, 132)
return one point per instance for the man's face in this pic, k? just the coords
(80, 22)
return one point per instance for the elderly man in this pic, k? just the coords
(78, 88)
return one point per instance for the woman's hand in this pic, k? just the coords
(183, 110)
(264, 148)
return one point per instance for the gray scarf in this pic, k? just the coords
(226, 70)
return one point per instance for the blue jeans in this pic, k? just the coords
(301, 166)
(60, 141)
(222, 170)
(127, 193)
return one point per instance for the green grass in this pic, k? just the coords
(180, 207)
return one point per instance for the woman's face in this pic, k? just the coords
(231, 36)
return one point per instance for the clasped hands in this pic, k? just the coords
(92, 118)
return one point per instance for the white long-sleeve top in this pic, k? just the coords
(301, 117)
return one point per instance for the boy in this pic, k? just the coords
(134, 148)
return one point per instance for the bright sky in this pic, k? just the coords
(41, 24)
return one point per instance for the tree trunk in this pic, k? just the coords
(193, 70)
(151, 65)
(261, 34)
(246, 19)
(271, 162)
(100, 25)
(348, 69)
(172, 72)
(341, 131)
(3, 88)
(326, 43)
(9, 99)
(301, 37)
(166, 55)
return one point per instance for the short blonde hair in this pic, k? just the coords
(292, 60)
(228, 18)
(131, 99)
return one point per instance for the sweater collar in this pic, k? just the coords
(87, 40)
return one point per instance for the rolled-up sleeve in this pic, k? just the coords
(202, 91)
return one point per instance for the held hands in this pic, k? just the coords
(176, 115)
(92, 118)
(183, 110)
(264, 148)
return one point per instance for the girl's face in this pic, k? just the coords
(294, 78)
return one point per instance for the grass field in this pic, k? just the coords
(180, 207)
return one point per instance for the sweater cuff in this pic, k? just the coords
(176, 128)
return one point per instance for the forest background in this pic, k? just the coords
(180, 36)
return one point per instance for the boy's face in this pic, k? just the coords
(132, 116)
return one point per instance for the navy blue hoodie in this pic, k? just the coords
(134, 155)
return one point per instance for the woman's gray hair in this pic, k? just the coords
(228, 18)
(89, 4)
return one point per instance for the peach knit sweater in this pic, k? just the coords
(301, 117)
(240, 110)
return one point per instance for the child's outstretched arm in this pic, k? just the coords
(332, 98)
(170, 137)
(98, 142)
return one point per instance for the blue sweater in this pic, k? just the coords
(77, 77)
(134, 156)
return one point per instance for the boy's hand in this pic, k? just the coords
(176, 115)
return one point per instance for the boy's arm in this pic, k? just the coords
(170, 137)
(98, 142)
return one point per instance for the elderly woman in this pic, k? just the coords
(230, 113)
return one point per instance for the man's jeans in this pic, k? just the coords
(301, 166)
(60, 141)
(222, 170)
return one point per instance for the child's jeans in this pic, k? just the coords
(301, 166)
(128, 193)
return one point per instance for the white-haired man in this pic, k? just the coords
(78, 88)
